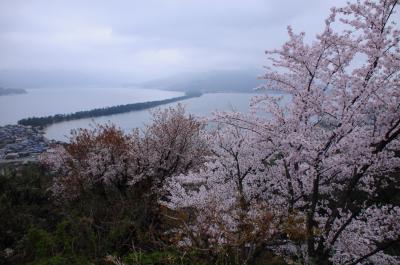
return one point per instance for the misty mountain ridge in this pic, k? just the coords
(243, 81)
(53, 79)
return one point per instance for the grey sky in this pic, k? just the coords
(140, 40)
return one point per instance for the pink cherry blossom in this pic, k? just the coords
(327, 158)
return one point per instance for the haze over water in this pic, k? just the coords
(45, 102)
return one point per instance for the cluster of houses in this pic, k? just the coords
(19, 142)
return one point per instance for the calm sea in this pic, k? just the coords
(42, 102)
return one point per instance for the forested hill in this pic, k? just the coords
(45, 121)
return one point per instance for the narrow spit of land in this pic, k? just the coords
(48, 120)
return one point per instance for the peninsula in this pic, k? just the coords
(48, 120)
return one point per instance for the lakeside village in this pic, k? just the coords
(19, 143)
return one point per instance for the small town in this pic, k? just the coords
(18, 142)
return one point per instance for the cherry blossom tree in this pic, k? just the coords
(173, 143)
(112, 179)
(105, 157)
(225, 199)
(327, 158)
(98, 160)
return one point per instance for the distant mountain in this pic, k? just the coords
(10, 91)
(215, 81)
(52, 79)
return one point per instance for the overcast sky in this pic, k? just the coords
(139, 40)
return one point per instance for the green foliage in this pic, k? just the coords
(153, 258)
(24, 203)
(40, 243)
(54, 260)
(46, 248)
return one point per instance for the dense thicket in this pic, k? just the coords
(36, 229)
